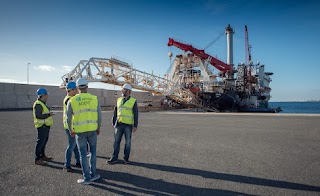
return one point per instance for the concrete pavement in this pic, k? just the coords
(173, 153)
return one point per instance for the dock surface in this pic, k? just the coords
(173, 153)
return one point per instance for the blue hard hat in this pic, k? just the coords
(71, 85)
(42, 91)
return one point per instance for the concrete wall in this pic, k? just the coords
(22, 96)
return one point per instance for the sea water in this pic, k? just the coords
(297, 107)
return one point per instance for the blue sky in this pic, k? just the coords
(53, 36)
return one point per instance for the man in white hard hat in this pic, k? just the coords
(84, 121)
(125, 121)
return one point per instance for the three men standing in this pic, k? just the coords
(84, 120)
(125, 121)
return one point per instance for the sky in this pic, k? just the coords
(54, 35)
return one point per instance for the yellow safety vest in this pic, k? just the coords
(65, 125)
(124, 111)
(39, 122)
(85, 112)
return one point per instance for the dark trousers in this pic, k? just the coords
(126, 130)
(42, 139)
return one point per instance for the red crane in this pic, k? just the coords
(223, 67)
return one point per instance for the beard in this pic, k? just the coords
(124, 94)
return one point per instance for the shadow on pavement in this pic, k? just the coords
(229, 177)
(101, 157)
(152, 186)
(53, 164)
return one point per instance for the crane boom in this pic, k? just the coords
(247, 46)
(117, 72)
(201, 53)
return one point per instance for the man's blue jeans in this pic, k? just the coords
(119, 131)
(72, 147)
(42, 139)
(83, 139)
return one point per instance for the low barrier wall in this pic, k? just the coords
(15, 96)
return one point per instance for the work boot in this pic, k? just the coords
(45, 158)
(67, 169)
(96, 177)
(112, 161)
(40, 162)
(126, 161)
(83, 181)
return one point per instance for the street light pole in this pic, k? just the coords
(28, 73)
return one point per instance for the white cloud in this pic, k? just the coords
(63, 69)
(44, 68)
(8, 80)
(67, 68)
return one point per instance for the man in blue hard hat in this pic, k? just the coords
(71, 89)
(42, 121)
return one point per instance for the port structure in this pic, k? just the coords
(116, 71)
(191, 80)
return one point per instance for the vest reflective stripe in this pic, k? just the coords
(86, 122)
(125, 107)
(85, 115)
(65, 125)
(125, 116)
(39, 122)
(124, 111)
(85, 110)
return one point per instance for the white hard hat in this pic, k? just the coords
(82, 82)
(127, 86)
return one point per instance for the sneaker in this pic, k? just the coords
(67, 169)
(112, 161)
(40, 162)
(45, 158)
(126, 161)
(83, 181)
(78, 165)
(96, 177)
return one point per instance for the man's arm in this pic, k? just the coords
(38, 111)
(135, 114)
(69, 116)
(114, 117)
(99, 116)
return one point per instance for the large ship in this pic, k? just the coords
(241, 89)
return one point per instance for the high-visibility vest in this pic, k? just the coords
(65, 125)
(124, 111)
(85, 112)
(39, 122)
